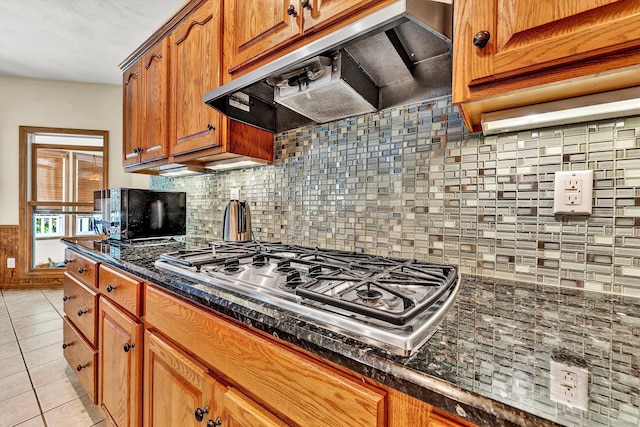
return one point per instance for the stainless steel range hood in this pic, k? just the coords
(397, 55)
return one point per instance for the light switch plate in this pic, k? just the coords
(235, 194)
(573, 192)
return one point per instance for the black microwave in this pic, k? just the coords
(132, 213)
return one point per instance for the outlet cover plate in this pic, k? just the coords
(569, 384)
(573, 192)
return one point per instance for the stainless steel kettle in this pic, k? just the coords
(236, 223)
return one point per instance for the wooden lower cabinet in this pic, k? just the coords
(295, 388)
(240, 411)
(81, 356)
(120, 366)
(179, 391)
(80, 303)
(177, 388)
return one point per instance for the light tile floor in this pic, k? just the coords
(37, 386)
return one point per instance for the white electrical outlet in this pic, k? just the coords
(569, 384)
(235, 194)
(11, 263)
(573, 192)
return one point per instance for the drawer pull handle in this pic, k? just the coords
(81, 270)
(65, 345)
(81, 312)
(67, 261)
(80, 367)
(111, 288)
(217, 422)
(199, 413)
(128, 347)
(66, 298)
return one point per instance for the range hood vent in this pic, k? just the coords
(397, 55)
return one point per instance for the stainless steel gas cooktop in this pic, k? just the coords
(389, 303)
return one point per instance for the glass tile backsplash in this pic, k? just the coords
(412, 182)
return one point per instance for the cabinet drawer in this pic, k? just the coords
(82, 358)
(80, 304)
(121, 289)
(81, 267)
(287, 383)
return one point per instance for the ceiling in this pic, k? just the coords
(76, 40)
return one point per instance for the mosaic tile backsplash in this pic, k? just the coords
(411, 182)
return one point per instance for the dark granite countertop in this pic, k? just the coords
(488, 362)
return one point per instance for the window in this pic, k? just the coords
(63, 169)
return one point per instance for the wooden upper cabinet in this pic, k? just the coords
(145, 97)
(318, 13)
(195, 70)
(530, 35)
(155, 79)
(132, 115)
(533, 44)
(254, 28)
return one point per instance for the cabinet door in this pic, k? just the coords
(155, 82)
(531, 35)
(131, 115)
(254, 28)
(295, 387)
(120, 369)
(240, 411)
(195, 70)
(176, 387)
(318, 13)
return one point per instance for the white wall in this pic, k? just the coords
(50, 103)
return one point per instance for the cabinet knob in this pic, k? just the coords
(81, 312)
(212, 423)
(211, 127)
(291, 11)
(80, 367)
(306, 4)
(66, 298)
(111, 288)
(199, 413)
(481, 38)
(65, 345)
(67, 261)
(128, 347)
(81, 270)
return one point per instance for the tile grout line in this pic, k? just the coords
(44, 421)
(25, 364)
